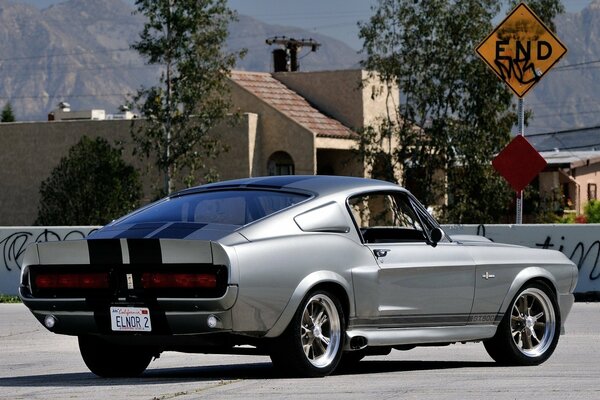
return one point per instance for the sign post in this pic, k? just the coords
(521, 132)
(520, 51)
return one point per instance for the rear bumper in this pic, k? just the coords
(181, 316)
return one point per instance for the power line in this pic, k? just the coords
(578, 147)
(572, 130)
(570, 66)
(567, 114)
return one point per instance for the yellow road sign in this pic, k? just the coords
(521, 50)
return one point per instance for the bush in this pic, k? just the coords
(592, 211)
(92, 185)
(9, 299)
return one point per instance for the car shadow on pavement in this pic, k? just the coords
(383, 366)
(226, 372)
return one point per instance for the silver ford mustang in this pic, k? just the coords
(315, 271)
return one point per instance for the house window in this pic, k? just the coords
(280, 163)
(592, 191)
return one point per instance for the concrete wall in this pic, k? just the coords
(581, 243)
(28, 153)
(14, 241)
(30, 150)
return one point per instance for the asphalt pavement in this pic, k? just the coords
(36, 364)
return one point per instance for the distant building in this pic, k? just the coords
(290, 123)
(574, 175)
(573, 171)
(64, 113)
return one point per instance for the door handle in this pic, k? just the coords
(381, 252)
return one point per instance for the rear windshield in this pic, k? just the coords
(233, 207)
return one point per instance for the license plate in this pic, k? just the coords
(130, 319)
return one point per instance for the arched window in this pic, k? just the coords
(280, 163)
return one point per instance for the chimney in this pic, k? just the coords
(280, 60)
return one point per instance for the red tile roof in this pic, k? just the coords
(291, 104)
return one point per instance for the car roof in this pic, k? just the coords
(318, 184)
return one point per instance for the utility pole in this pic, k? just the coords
(289, 52)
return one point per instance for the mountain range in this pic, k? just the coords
(79, 51)
(569, 96)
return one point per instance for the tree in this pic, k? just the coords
(7, 114)
(454, 115)
(92, 185)
(185, 37)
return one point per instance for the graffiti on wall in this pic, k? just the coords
(582, 255)
(14, 242)
(581, 243)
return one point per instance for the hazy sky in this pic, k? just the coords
(336, 18)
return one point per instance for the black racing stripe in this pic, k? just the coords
(140, 230)
(178, 230)
(105, 251)
(144, 251)
(411, 321)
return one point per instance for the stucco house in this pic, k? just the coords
(291, 123)
(573, 175)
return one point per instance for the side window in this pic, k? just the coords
(386, 218)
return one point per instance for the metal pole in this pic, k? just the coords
(521, 111)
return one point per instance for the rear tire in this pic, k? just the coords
(109, 360)
(311, 346)
(529, 331)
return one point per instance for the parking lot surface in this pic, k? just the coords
(36, 364)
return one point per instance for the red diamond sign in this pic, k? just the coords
(519, 163)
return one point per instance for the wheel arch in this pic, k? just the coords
(326, 280)
(525, 277)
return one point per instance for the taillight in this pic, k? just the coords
(72, 281)
(156, 280)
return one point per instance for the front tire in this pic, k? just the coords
(312, 344)
(109, 360)
(529, 331)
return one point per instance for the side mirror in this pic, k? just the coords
(436, 235)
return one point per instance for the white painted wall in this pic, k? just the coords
(579, 242)
(14, 241)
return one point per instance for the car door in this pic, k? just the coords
(419, 283)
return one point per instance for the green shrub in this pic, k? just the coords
(9, 299)
(592, 211)
(92, 185)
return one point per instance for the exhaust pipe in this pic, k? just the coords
(358, 342)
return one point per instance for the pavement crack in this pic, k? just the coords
(19, 333)
(170, 396)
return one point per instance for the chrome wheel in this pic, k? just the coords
(532, 322)
(320, 331)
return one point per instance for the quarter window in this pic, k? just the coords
(386, 217)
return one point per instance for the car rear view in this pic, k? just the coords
(156, 279)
